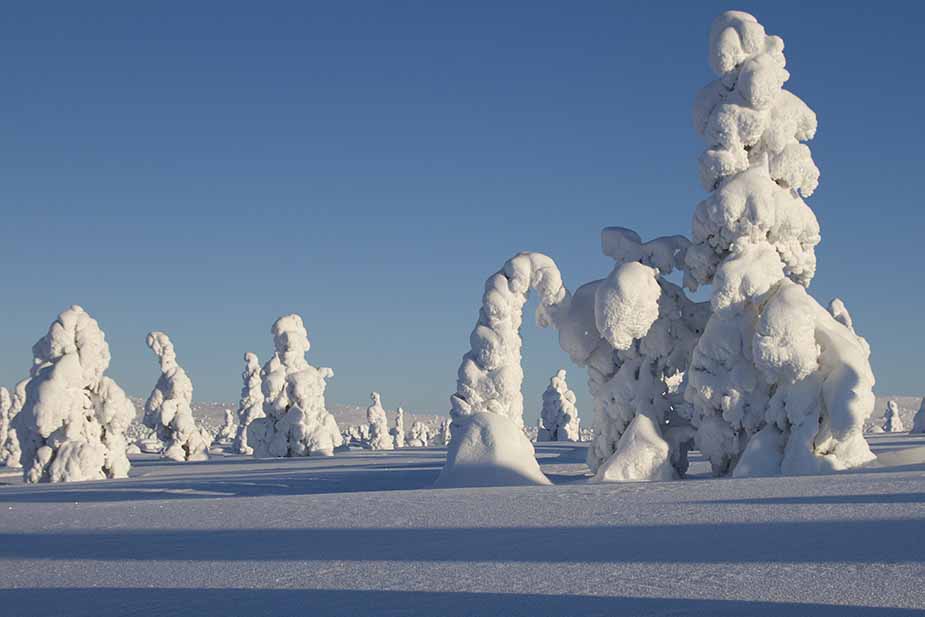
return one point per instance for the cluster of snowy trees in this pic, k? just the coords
(761, 378)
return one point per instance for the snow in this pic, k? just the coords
(296, 422)
(559, 417)
(168, 409)
(489, 449)
(363, 531)
(379, 436)
(420, 436)
(642, 454)
(250, 407)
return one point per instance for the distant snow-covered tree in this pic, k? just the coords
(892, 423)
(250, 406)
(918, 421)
(444, 434)
(10, 452)
(168, 409)
(226, 433)
(559, 416)
(398, 431)
(379, 436)
(6, 405)
(420, 435)
(296, 422)
(73, 419)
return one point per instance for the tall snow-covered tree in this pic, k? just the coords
(250, 406)
(559, 415)
(892, 423)
(6, 405)
(73, 419)
(296, 422)
(168, 409)
(778, 384)
(379, 436)
(444, 434)
(398, 431)
(918, 421)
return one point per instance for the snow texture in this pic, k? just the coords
(892, 422)
(168, 409)
(490, 378)
(296, 421)
(489, 449)
(379, 436)
(73, 419)
(250, 406)
(918, 421)
(398, 431)
(559, 417)
(777, 383)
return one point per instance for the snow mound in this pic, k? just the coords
(642, 455)
(489, 449)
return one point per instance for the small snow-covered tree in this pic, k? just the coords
(250, 406)
(168, 409)
(379, 436)
(918, 421)
(6, 405)
(73, 419)
(296, 422)
(444, 434)
(227, 431)
(10, 452)
(420, 435)
(559, 416)
(892, 423)
(398, 431)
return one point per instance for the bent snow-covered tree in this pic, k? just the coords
(296, 422)
(559, 416)
(168, 409)
(73, 419)
(892, 423)
(250, 406)
(778, 384)
(489, 446)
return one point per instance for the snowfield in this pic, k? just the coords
(363, 533)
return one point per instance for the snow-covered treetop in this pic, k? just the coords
(291, 339)
(162, 347)
(74, 332)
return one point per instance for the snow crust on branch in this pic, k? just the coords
(73, 419)
(490, 378)
(250, 407)
(892, 423)
(168, 409)
(379, 436)
(296, 422)
(777, 383)
(559, 416)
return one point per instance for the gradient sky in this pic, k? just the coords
(205, 167)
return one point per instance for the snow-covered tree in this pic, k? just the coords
(918, 421)
(296, 422)
(10, 452)
(398, 431)
(892, 423)
(168, 409)
(379, 436)
(777, 383)
(73, 419)
(6, 405)
(559, 416)
(227, 431)
(250, 406)
(444, 434)
(420, 435)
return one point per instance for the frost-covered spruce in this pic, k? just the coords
(778, 384)
(398, 431)
(892, 423)
(379, 436)
(559, 416)
(444, 434)
(918, 421)
(250, 406)
(227, 431)
(489, 445)
(10, 452)
(634, 331)
(296, 422)
(168, 409)
(6, 405)
(420, 435)
(73, 419)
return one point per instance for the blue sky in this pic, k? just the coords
(202, 168)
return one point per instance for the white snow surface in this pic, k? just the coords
(363, 532)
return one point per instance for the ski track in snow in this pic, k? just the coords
(362, 533)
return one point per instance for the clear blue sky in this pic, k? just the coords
(203, 167)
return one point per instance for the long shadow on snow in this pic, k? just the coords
(91, 602)
(824, 499)
(776, 542)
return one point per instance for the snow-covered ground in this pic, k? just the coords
(362, 533)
